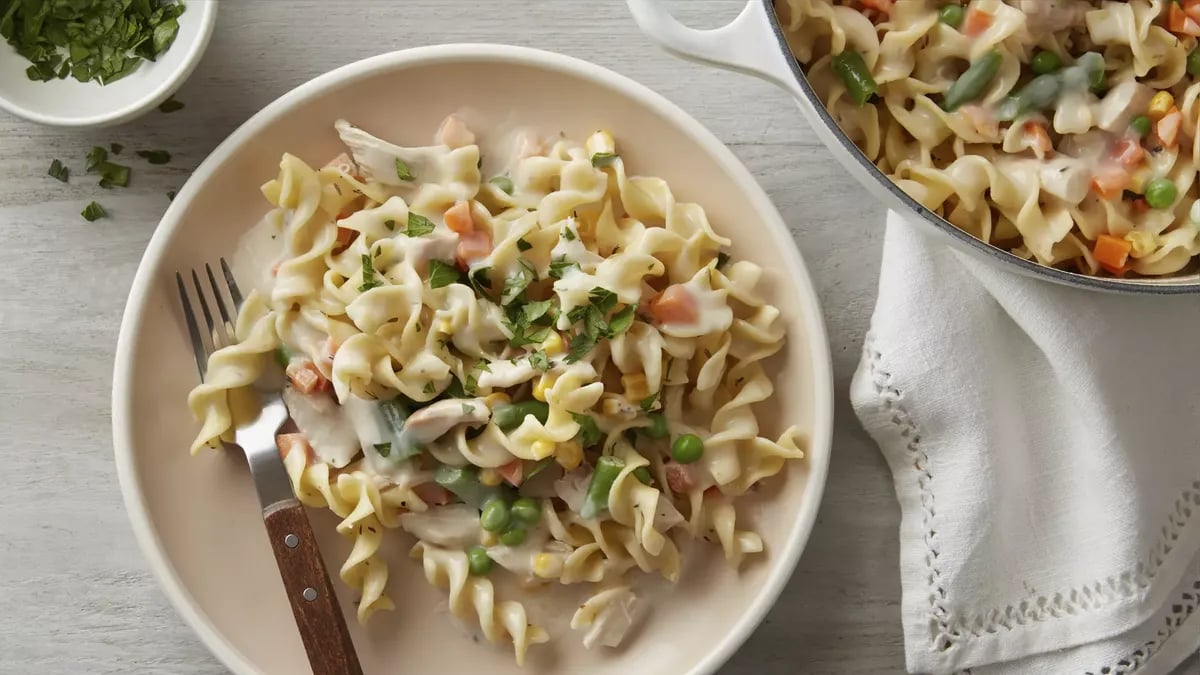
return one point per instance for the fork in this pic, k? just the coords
(314, 605)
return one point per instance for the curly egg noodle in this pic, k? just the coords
(1064, 131)
(547, 374)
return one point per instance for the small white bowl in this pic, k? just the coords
(70, 103)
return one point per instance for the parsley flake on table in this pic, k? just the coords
(102, 40)
(170, 105)
(155, 156)
(93, 212)
(59, 171)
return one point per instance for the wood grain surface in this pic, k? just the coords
(77, 596)
(310, 592)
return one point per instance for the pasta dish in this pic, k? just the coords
(1064, 131)
(542, 369)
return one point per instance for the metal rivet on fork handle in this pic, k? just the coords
(291, 541)
(310, 594)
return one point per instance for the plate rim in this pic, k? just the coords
(819, 436)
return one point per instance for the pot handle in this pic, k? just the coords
(747, 44)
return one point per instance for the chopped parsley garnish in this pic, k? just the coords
(471, 385)
(589, 433)
(59, 171)
(368, 275)
(594, 323)
(93, 211)
(442, 273)
(115, 148)
(429, 388)
(94, 157)
(384, 449)
(102, 40)
(560, 265)
(621, 321)
(722, 259)
(480, 281)
(113, 175)
(603, 159)
(170, 105)
(504, 183)
(539, 360)
(171, 196)
(533, 311)
(390, 225)
(155, 156)
(418, 225)
(468, 409)
(402, 171)
(649, 401)
(515, 285)
(569, 234)
(523, 245)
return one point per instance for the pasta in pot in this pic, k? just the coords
(547, 376)
(1064, 131)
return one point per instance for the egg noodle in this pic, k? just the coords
(549, 374)
(1064, 131)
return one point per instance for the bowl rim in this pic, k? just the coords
(819, 436)
(131, 110)
(898, 197)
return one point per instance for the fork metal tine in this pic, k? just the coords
(226, 326)
(189, 316)
(210, 336)
(234, 292)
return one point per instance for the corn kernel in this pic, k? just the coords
(541, 449)
(1160, 104)
(611, 407)
(569, 455)
(553, 345)
(544, 383)
(635, 385)
(490, 477)
(1139, 178)
(490, 539)
(497, 399)
(547, 566)
(1143, 243)
(601, 141)
(445, 326)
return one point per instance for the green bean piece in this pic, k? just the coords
(495, 516)
(283, 355)
(526, 511)
(1193, 62)
(687, 448)
(853, 72)
(509, 417)
(1161, 193)
(658, 426)
(974, 80)
(596, 501)
(1041, 93)
(951, 15)
(1140, 125)
(513, 536)
(394, 413)
(478, 560)
(1045, 62)
(643, 474)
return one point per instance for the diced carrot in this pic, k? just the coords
(433, 494)
(290, 442)
(458, 217)
(1168, 127)
(679, 477)
(1039, 139)
(882, 6)
(513, 472)
(454, 133)
(345, 237)
(977, 22)
(674, 305)
(306, 378)
(1109, 181)
(1128, 152)
(472, 246)
(1192, 9)
(1111, 252)
(1179, 21)
(1140, 205)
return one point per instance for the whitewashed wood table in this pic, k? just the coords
(77, 596)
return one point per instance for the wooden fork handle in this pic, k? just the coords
(318, 616)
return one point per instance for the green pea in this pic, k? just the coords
(1193, 62)
(1140, 125)
(687, 448)
(526, 511)
(495, 516)
(643, 474)
(513, 537)
(658, 426)
(951, 15)
(1161, 193)
(1045, 62)
(478, 561)
(509, 417)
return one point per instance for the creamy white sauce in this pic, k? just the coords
(451, 525)
(330, 432)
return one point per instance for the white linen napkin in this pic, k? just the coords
(1045, 447)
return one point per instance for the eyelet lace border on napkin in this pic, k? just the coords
(946, 629)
